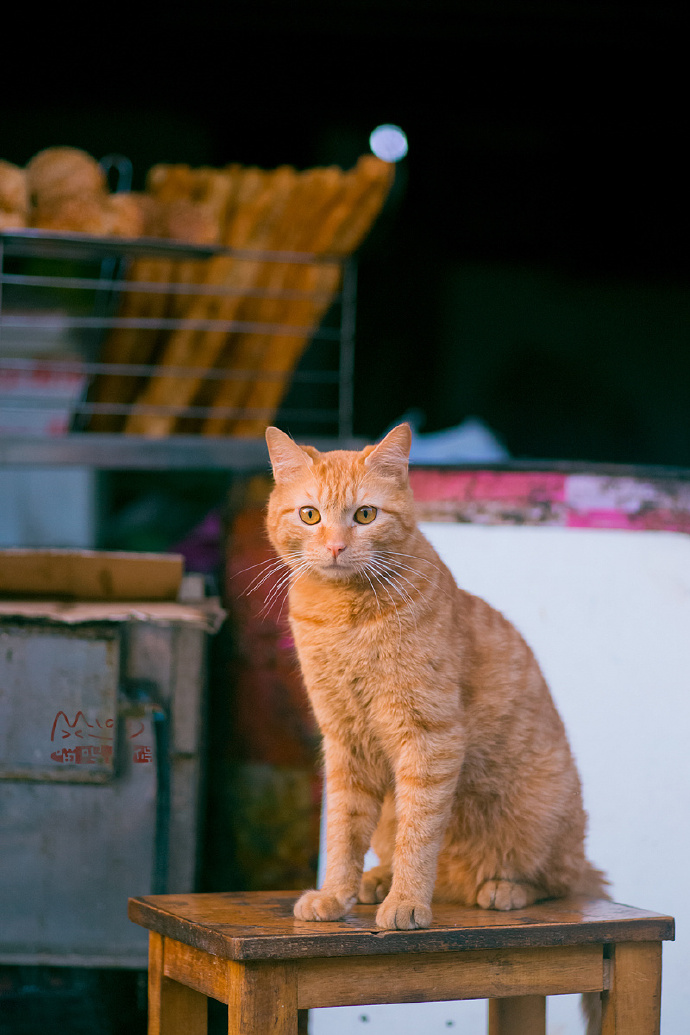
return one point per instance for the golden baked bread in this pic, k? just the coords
(150, 213)
(124, 215)
(63, 172)
(179, 219)
(12, 220)
(193, 202)
(65, 189)
(87, 214)
(189, 221)
(244, 209)
(14, 197)
(172, 182)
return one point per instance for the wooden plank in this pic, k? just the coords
(174, 1009)
(260, 925)
(523, 1016)
(429, 977)
(262, 998)
(197, 969)
(632, 1005)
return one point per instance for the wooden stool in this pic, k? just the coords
(247, 950)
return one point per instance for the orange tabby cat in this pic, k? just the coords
(443, 747)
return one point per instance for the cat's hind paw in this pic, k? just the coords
(375, 884)
(506, 894)
(319, 905)
(402, 914)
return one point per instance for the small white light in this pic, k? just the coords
(389, 143)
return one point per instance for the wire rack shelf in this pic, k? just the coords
(151, 353)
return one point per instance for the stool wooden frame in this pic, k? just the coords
(247, 950)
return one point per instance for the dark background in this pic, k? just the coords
(531, 264)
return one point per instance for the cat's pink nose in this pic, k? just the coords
(335, 548)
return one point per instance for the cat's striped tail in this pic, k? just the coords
(595, 885)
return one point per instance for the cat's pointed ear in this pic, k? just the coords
(392, 454)
(287, 458)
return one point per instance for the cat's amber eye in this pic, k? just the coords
(365, 515)
(309, 515)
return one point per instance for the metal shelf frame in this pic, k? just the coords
(135, 452)
(110, 258)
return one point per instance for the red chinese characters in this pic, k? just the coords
(81, 729)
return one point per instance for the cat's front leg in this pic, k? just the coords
(376, 882)
(353, 802)
(425, 784)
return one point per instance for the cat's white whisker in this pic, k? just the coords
(400, 566)
(373, 588)
(273, 559)
(275, 567)
(394, 579)
(388, 577)
(259, 564)
(391, 558)
(284, 583)
(411, 609)
(286, 594)
(305, 568)
(263, 576)
(270, 563)
(398, 575)
(283, 578)
(393, 605)
(411, 556)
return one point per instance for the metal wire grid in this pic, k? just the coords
(109, 260)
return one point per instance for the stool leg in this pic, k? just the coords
(632, 1005)
(174, 1009)
(519, 1015)
(262, 998)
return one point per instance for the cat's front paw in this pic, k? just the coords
(402, 914)
(319, 905)
(505, 894)
(375, 884)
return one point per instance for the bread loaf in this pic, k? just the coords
(199, 315)
(14, 196)
(63, 172)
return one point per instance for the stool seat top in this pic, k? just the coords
(259, 925)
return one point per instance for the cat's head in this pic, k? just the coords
(338, 513)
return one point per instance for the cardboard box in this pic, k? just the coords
(90, 575)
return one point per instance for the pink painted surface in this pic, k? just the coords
(545, 498)
(648, 520)
(508, 486)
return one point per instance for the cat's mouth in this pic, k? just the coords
(335, 567)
